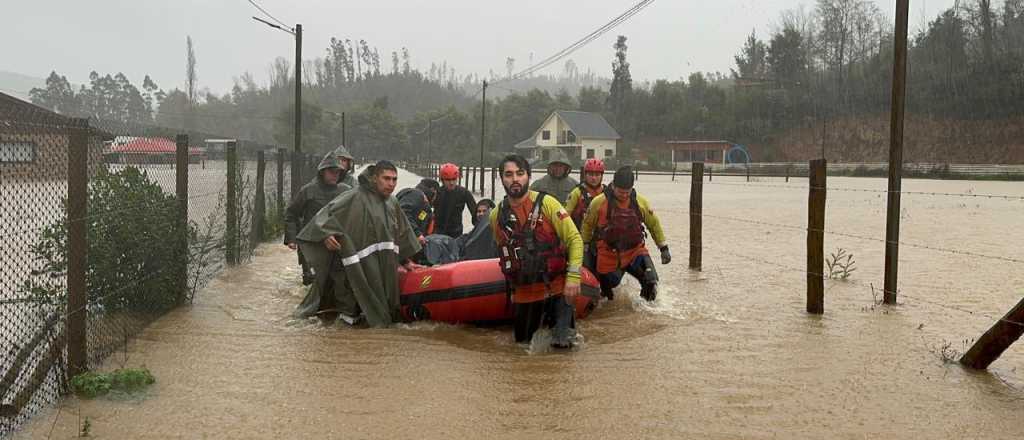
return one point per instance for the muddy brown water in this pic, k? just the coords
(723, 353)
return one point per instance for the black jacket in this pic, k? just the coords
(416, 208)
(448, 210)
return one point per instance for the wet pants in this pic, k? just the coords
(553, 312)
(306, 270)
(642, 268)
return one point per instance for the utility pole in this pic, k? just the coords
(296, 171)
(483, 126)
(343, 129)
(296, 156)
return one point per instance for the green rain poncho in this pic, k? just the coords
(559, 188)
(310, 198)
(349, 178)
(375, 239)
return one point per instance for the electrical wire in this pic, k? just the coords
(579, 43)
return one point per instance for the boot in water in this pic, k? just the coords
(649, 291)
(608, 293)
(564, 331)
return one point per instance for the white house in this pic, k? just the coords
(581, 135)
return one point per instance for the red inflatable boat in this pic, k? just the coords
(471, 291)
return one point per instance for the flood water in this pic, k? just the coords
(724, 353)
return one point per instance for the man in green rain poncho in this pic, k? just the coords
(355, 245)
(347, 164)
(308, 201)
(558, 183)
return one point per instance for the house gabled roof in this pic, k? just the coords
(529, 142)
(588, 125)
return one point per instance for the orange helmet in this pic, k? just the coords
(593, 165)
(449, 171)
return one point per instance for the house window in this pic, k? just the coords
(590, 153)
(570, 137)
(608, 153)
(17, 152)
(545, 135)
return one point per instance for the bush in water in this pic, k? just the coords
(135, 253)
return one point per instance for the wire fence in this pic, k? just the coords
(105, 227)
(830, 270)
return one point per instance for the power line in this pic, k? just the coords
(581, 42)
(264, 11)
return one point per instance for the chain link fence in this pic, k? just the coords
(105, 227)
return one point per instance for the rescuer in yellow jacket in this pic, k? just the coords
(579, 201)
(618, 228)
(540, 252)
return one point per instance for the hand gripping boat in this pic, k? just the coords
(472, 291)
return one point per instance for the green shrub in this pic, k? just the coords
(126, 380)
(91, 385)
(135, 248)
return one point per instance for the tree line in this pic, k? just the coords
(818, 70)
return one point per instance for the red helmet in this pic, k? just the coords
(449, 171)
(593, 165)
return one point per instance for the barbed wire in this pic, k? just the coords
(861, 237)
(900, 293)
(867, 190)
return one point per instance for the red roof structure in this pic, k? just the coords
(144, 145)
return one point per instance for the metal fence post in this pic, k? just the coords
(231, 206)
(77, 210)
(696, 208)
(494, 172)
(181, 190)
(816, 238)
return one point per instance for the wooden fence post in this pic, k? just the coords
(181, 190)
(899, 95)
(696, 208)
(260, 201)
(816, 239)
(77, 210)
(231, 205)
(280, 180)
(997, 339)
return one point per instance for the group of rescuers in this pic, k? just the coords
(352, 234)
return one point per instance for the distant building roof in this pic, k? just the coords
(588, 125)
(698, 145)
(16, 110)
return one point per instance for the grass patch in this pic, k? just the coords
(125, 381)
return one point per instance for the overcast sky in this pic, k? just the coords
(669, 39)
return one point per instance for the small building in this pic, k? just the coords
(34, 141)
(148, 150)
(580, 135)
(698, 151)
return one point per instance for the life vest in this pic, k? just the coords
(624, 229)
(531, 252)
(580, 210)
